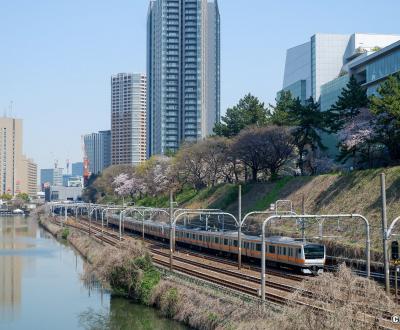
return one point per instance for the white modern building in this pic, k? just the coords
(370, 69)
(326, 57)
(58, 176)
(128, 118)
(183, 72)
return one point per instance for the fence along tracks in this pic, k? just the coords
(222, 276)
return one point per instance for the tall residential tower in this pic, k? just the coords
(128, 118)
(183, 72)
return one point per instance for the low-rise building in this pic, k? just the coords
(61, 193)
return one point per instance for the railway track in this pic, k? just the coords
(276, 292)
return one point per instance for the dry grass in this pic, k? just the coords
(88, 247)
(201, 308)
(348, 298)
(129, 271)
(50, 227)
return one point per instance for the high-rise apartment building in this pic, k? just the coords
(327, 57)
(10, 153)
(18, 174)
(183, 72)
(128, 118)
(98, 150)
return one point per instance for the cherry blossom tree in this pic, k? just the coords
(356, 138)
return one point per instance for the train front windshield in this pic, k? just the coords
(314, 251)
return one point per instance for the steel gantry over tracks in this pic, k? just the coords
(317, 217)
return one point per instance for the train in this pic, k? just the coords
(303, 256)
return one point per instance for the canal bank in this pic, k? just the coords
(41, 287)
(196, 303)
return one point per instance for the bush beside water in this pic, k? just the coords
(65, 233)
(129, 272)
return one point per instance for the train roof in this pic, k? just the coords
(232, 234)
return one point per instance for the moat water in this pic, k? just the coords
(41, 287)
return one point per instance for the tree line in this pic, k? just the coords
(254, 142)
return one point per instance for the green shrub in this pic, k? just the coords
(150, 279)
(170, 302)
(65, 233)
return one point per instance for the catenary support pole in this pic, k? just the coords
(395, 283)
(142, 225)
(171, 221)
(384, 233)
(303, 211)
(120, 225)
(240, 229)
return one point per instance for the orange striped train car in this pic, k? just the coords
(308, 257)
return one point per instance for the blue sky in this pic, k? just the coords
(57, 56)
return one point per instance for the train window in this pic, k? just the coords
(284, 251)
(258, 247)
(299, 252)
(246, 245)
(271, 249)
(216, 239)
(235, 243)
(194, 236)
(200, 237)
(226, 241)
(290, 252)
(187, 235)
(252, 246)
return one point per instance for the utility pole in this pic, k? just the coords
(240, 229)
(303, 212)
(384, 234)
(171, 221)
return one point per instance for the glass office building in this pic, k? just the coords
(46, 176)
(183, 71)
(98, 150)
(77, 169)
(331, 91)
(297, 90)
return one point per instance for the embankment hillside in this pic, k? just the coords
(355, 192)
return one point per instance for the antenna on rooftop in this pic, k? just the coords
(10, 107)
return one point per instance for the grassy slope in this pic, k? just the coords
(357, 192)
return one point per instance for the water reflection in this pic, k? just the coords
(41, 287)
(125, 315)
(16, 235)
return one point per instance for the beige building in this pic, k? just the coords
(27, 176)
(17, 173)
